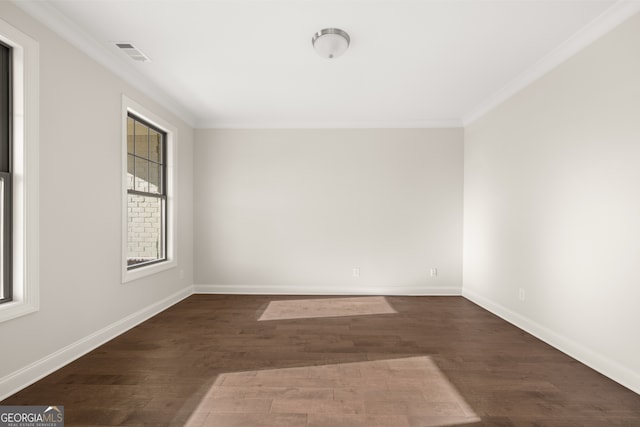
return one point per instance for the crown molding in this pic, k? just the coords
(430, 124)
(605, 22)
(52, 18)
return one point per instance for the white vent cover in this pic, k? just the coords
(132, 52)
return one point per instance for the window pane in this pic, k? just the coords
(142, 140)
(130, 135)
(142, 175)
(145, 229)
(5, 113)
(5, 237)
(2, 237)
(6, 287)
(155, 146)
(154, 179)
(130, 172)
(146, 213)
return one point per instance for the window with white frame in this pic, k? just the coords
(19, 263)
(149, 192)
(146, 193)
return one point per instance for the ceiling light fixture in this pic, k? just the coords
(330, 42)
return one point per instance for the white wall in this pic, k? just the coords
(295, 210)
(80, 211)
(552, 206)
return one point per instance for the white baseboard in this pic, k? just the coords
(26, 376)
(610, 368)
(311, 290)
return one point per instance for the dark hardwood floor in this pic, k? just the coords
(221, 360)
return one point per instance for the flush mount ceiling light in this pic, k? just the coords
(330, 42)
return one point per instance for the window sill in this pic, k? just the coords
(141, 272)
(13, 309)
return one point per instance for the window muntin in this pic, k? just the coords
(6, 198)
(146, 193)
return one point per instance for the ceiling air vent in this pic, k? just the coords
(133, 52)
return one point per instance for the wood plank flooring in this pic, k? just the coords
(222, 360)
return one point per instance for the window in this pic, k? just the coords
(19, 253)
(146, 193)
(6, 287)
(149, 196)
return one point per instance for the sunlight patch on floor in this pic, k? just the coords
(326, 307)
(391, 393)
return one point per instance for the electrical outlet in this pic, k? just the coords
(356, 272)
(434, 272)
(521, 294)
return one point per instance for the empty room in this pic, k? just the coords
(393, 213)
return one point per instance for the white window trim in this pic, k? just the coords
(131, 106)
(26, 263)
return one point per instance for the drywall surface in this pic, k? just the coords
(552, 206)
(80, 203)
(295, 211)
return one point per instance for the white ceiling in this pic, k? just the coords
(241, 63)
